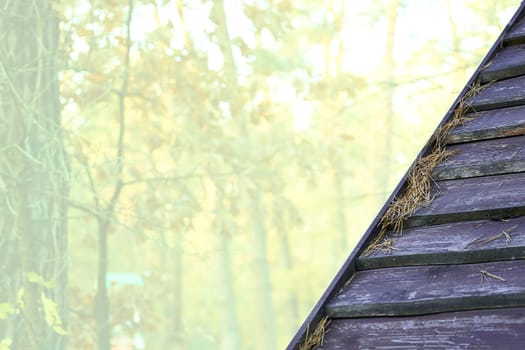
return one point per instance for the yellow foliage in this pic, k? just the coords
(34, 277)
(52, 316)
(5, 344)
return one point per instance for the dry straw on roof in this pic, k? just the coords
(315, 339)
(418, 188)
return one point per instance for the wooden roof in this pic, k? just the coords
(455, 277)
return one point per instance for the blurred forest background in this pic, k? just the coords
(215, 161)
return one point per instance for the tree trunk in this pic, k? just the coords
(340, 211)
(177, 324)
(34, 179)
(231, 338)
(389, 72)
(459, 63)
(291, 299)
(267, 335)
(182, 19)
(263, 286)
(101, 302)
(224, 42)
(336, 14)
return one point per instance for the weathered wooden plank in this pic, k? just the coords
(349, 266)
(503, 93)
(455, 243)
(483, 158)
(508, 63)
(478, 198)
(416, 290)
(490, 124)
(516, 34)
(483, 329)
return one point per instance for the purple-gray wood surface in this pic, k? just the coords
(503, 93)
(418, 290)
(492, 97)
(502, 329)
(483, 158)
(516, 34)
(455, 243)
(508, 63)
(489, 197)
(490, 124)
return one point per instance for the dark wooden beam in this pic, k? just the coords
(483, 329)
(418, 290)
(455, 243)
(497, 123)
(482, 158)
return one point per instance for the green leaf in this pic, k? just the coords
(34, 277)
(5, 310)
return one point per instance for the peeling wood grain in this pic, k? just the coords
(516, 35)
(503, 93)
(508, 63)
(470, 199)
(483, 158)
(455, 243)
(416, 290)
(483, 329)
(490, 124)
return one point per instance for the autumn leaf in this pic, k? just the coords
(52, 316)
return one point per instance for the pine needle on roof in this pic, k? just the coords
(417, 193)
(315, 339)
(418, 188)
